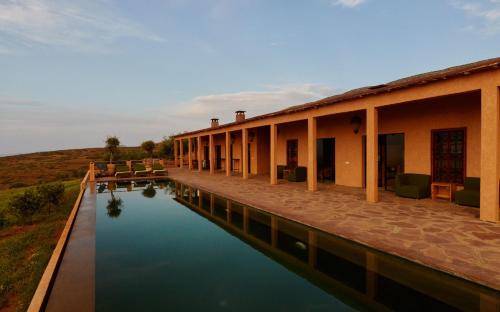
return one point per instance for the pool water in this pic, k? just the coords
(168, 246)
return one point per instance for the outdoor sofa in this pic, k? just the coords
(298, 175)
(469, 196)
(413, 185)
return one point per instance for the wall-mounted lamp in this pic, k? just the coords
(356, 124)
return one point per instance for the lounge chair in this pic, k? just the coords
(158, 169)
(140, 170)
(413, 185)
(298, 175)
(469, 196)
(122, 171)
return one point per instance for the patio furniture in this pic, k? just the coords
(281, 168)
(443, 190)
(413, 185)
(298, 175)
(469, 196)
(122, 171)
(159, 170)
(140, 170)
(100, 170)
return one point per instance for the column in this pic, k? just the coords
(211, 152)
(176, 155)
(312, 250)
(190, 150)
(274, 165)
(198, 156)
(91, 172)
(181, 156)
(372, 155)
(274, 231)
(312, 160)
(371, 274)
(244, 156)
(228, 154)
(489, 192)
(212, 203)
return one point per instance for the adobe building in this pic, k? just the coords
(443, 124)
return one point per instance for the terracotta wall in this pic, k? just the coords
(418, 119)
(291, 131)
(415, 120)
(263, 150)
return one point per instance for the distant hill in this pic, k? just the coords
(30, 169)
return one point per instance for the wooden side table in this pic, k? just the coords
(443, 190)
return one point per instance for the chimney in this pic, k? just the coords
(215, 122)
(240, 116)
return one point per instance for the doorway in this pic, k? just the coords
(206, 158)
(218, 157)
(292, 147)
(326, 159)
(390, 159)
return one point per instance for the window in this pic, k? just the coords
(448, 155)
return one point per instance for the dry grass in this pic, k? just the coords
(30, 169)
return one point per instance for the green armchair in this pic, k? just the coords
(298, 175)
(469, 196)
(413, 185)
(281, 168)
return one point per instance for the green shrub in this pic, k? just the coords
(25, 205)
(51, 194)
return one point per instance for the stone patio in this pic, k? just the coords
(438, 234)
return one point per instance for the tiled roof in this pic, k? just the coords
(407, 82)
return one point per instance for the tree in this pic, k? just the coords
(51, 194)
(167, 147)
(149, 191)
(112, 143)
(25, 205)
(114, 206)
(148, 147)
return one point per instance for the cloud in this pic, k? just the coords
(79, 25)
(348, 3)
(28, 125)
(485, 12)
(16, 102)
(255, 103)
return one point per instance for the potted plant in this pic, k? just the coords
(112, 143)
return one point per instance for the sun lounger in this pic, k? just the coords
(140, 170)
(122, 171)
(159, 170)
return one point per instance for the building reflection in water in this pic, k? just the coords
(358, 275)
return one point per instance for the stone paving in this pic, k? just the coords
(438, 234)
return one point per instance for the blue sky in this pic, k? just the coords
(72, 72)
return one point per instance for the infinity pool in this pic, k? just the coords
(168, 246)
